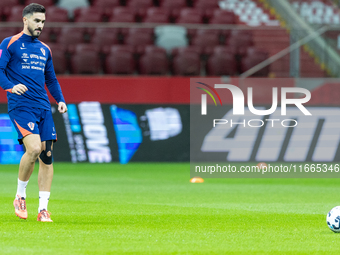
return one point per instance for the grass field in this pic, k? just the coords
(154, 209)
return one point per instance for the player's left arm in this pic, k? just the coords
(53, 85)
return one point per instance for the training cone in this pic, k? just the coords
(196, 180)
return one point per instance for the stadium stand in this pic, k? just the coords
(157, 15)
(70, 6)
(173, 7)
(120, 60)
(122, 14)
(92, 14)
(195, 50)
(85, 59)
(317, 12)
(186, 61)
(56, 14)
(154, 61)
(221, 62)
(14, 14)
(59, 58)
(45, 3)
(189, 16)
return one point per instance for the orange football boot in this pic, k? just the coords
(20, 207)
(44, 216)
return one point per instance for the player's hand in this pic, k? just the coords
(62, 108)
(19, 89)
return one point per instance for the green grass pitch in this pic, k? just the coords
(154, 209)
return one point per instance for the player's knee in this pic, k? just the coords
(46, 155)
(34, 151)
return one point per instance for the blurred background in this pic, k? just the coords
(135, 57)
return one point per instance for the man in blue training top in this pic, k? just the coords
(25, 66)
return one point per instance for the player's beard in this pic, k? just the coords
(34, 33)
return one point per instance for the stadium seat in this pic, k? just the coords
(45, 3)
(190, 15)
(138, 38)
(70, 6)
(104, 37)
(59, 58)
(240, 40)
(173, 6)
(157, 15)
(140, 6)
(186, 61)
(56, 14)
(106, 6)
(85, 59)
(223, 17)
(123, 14)
(70, 36)
(171, 36)
(6, 5)
(47, 35)
(154, 61)
(221, 62)
(254, 57)
(92, 14)
(206, 39)
(206, 4)
(14, 14)
(120, 60)
(8, 31)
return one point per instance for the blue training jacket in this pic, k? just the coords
(26, 60)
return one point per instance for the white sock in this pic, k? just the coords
(44, 196)
(21, 190)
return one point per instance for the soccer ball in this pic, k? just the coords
(333, 219)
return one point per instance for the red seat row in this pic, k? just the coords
(154, 61)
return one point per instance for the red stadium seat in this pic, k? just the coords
(104, 37)
(186, 62)
(6, 5)
(240, 40)
(46, 35)
(221, 62)
(123, 14)
(138, 38)
(15, 13)
(85, 14)
(107, 6)
(191, 49)
(140, 6)
(45, 3)
(157, 15)
(59, 58)
(173, 6)
(120, 60)
(205, 5)
(223, 17)
(85, 60)
(56, 14)
(206, 39)
(9, 3)
(70, 36)
(254, 57)
(8, 31)
(154, 61)
(190, 15)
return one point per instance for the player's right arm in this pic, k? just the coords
(6, 84)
